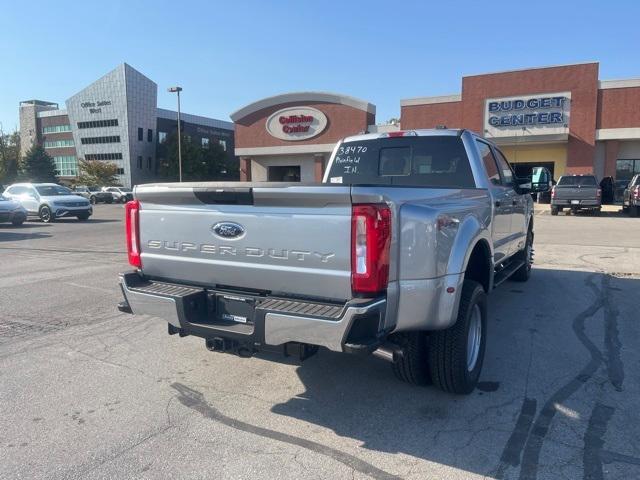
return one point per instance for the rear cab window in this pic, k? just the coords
(578, 180)
(425, 161)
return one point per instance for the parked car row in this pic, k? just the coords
(49, 201)
(582, 192)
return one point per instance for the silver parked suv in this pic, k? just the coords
(49, 201)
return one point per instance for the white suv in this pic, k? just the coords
(49, 201)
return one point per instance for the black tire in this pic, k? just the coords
(109, 200)
(633, 211)
(45, 214)
(17, 223)
(123, 199)
(413, 367)
(597, 212)
(554, 211)
(93, 200)
(447, 349)
(83, 217)
(526, 255)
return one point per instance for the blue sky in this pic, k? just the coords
(228, 54)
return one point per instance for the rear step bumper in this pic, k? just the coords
(275, 321)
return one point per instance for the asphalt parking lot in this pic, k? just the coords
(88, 392)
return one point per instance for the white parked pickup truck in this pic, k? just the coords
(393, 255)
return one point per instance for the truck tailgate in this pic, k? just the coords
(283, 239)
(576, 192)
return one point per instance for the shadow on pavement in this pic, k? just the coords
(15, 236)
(540, 322)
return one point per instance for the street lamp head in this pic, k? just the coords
(174, 89)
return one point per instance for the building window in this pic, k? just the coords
(223, 144)
(58, 144)
(139, 161)
(57, 129)
(120, 171)
(149, 135)
(284, 173)
(626, 169)
(66, 165)
(103, 156)
(162, 136)
(205, 142)
(93, 140)
(140, 133)
(148, 163)
(99, 123)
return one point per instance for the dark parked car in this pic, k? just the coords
(608, 187)
(93, 194)
(576, 192)
(631, 197)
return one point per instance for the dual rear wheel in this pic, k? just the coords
(451, 359)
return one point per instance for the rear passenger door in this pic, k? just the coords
(518, 202)
(502, 198)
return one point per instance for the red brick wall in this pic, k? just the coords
(342, 121)
(618, 108)
(580, 80)
(431, 115)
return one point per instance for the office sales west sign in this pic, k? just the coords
(526, 115)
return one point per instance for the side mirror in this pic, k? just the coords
(541, 180)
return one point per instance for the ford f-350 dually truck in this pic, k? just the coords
(393, 255)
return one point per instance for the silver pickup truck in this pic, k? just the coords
(393, 255)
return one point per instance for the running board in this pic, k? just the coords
(506, 272)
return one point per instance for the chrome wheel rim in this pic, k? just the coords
(46, 215)
(474, 338)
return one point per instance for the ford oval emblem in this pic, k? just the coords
(228, 230)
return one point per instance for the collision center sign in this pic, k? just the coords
(296, 123)
(528, 115)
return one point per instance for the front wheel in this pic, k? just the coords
(45, 214)
(554, 210)
(93, 200)
(456, 354)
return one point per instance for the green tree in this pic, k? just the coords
(9, 156)
(199, 162)
(98, 173)
(38, 166)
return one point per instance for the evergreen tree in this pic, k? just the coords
(38, 166)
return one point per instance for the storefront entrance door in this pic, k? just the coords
(283, 173)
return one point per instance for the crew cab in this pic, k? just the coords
(393, 255)
(575, 193)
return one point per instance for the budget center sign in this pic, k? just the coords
(526, 115)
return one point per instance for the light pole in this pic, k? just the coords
(177, 90)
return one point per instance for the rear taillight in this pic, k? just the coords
(598, 193)
(132, 226)
(370, 242)
(636, 192)
(553, 192)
